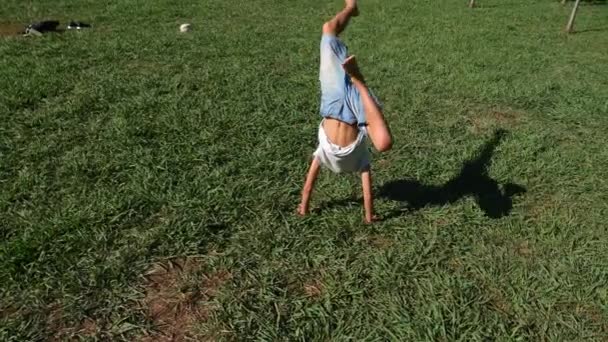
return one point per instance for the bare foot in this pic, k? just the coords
(353, 5)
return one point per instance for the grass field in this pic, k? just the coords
(149, 179)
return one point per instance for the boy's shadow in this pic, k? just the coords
(472, 180)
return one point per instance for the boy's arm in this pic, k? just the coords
(377, 128)
(368, 198)
(309, 185)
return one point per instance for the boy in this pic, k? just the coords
(350, 114)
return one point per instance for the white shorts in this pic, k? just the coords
(352, 158)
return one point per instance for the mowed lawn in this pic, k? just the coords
(149, 179)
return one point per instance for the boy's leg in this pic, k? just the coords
(309, 185)
(377, 128)
(368, 197)
(337, 24)
(331, 74)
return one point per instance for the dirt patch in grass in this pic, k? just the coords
(485, 121)
(59, 330)
(55, 323)
(88, 327)
(379, 241)
(498, 302)
(313, 288)
(175, 298)
(455, 264)
(542, 207)
(506, 118)
(589, 312)
(383, 162)
(56, 326)
(8, 29)
(375, 240)
(523, 249)
(8, 312)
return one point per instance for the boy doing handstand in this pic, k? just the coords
(350, 112)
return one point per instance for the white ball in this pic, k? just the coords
(185, 27)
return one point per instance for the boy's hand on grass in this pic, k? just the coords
(371, 219)
(302, 210)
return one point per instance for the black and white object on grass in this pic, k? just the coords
(38, 28)
(77, 25)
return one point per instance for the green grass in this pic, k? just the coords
(131, 143)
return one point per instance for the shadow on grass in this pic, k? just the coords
(599, 29)
(594, 2)
(472, 180)
(589, 2)
(486, 5)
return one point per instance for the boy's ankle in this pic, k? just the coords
(358, 80)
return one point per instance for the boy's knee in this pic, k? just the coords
(329, 27)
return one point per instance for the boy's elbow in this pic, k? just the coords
(384, 145)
